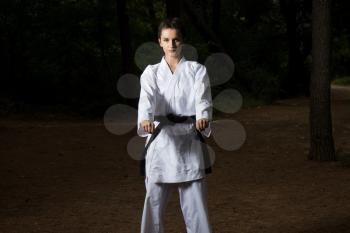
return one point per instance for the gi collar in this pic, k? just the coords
(165, 65)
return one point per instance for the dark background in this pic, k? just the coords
(69, 174)
(66, 55)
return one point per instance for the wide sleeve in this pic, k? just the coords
(147, 99)
(203, 99)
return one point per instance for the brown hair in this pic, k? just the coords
(173, 23)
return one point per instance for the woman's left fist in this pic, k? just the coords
(202, 123)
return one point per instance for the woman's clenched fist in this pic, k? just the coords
(148, 126)
(202, 123)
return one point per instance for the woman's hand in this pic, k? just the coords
(202, 123)
(148, 126)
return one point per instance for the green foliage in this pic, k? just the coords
(260, 84)
(68, 52)
(345, 81)
(341, 55)
(61, 50)
(250, 101)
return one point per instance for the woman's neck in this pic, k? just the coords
(172, 61)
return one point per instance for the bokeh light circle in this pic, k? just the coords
(189, 52)
(148, 53)
(120, 119)
(228, 101)
(220, 68)
(230, 135)
(135, 147)
(128, 86)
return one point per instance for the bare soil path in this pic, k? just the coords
(61, 174)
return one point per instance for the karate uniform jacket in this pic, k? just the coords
(176, 154)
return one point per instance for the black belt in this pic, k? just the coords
(172, 119)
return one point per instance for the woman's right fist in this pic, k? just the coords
(148, 126)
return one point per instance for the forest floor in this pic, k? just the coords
(63, 174)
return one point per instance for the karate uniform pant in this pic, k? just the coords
(193, 201)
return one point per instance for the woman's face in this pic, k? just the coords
(171, 42)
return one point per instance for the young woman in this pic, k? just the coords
(174, 112)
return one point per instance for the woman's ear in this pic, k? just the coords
(159, 41)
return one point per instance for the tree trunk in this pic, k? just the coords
(203, 29)
(321, 135)
(19, 66)
(152, 16)
(294, 83)
(216, 6)
(215, 26)
(124, 31)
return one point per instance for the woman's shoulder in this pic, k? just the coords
(195, 66)
(151, 69)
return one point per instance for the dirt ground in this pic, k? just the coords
(62, 174)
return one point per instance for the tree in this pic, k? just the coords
(207, 32)
(296, 80)
(321, 135)
(215, 27)
(124, 31)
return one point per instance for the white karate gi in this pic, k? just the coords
(175, 155)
